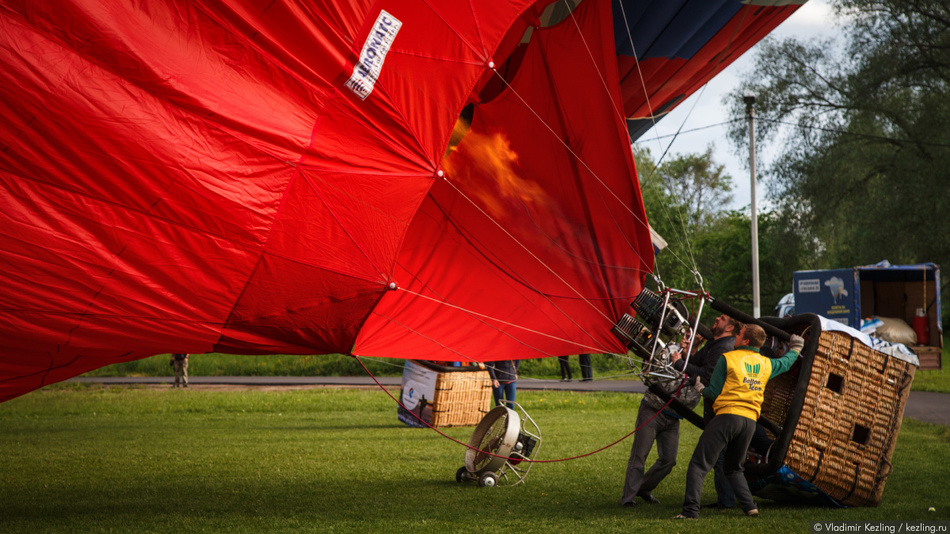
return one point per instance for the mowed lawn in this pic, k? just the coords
(124, 459)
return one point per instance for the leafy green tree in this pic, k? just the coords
(701, 186)
(862, 124)
(683, 200)
(673, 195)
(726, 258)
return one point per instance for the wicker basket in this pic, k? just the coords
(442, 396)
(841, 411)
(461, 398)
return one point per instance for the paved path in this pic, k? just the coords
(922, 405)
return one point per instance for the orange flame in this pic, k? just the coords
(477, 161)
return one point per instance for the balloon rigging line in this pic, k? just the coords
(504, 269)
(450, 349)
(581, 161)
(526, 249)
(519, 280)
(691, 130)
(619, 113)
(722, 55)
(556, 244)
(491, 322)
(467, 446)
(646, 95)
(568, 147)
(720, 59)
(691, 267)
(466, 357)
(482, 317)
(643, 83)
(486, 323)
(490, 318)
(593, 60)
(516, 279)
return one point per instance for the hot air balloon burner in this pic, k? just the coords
(656, 321)
(501, 448)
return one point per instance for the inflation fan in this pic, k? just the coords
(500, 444)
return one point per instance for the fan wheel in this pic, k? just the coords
(487, 480)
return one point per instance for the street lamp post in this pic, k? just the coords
(749, 99)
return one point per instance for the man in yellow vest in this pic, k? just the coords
(737, 388)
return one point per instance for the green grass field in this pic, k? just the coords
(123, 459)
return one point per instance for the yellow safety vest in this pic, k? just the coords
(747, 372)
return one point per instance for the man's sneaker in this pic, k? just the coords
(681, 516)
(753, 512)
(648, 497)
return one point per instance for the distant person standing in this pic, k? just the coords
(565, 364)
(504, 377)
(587, 372)
(180, 363)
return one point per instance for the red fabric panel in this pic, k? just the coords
(331, 253)
(176, 177)
(539, 254)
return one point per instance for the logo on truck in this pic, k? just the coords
(812, 285)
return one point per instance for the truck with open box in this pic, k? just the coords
(910, 293)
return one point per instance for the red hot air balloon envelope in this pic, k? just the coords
(666, 50)
(277, 178)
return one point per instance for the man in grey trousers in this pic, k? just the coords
(655, 422)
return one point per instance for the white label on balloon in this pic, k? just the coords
(377, 45)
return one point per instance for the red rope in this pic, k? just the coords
(467, 446)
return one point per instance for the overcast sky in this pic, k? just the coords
(815, 19)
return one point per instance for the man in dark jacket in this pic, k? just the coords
(724, 332)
